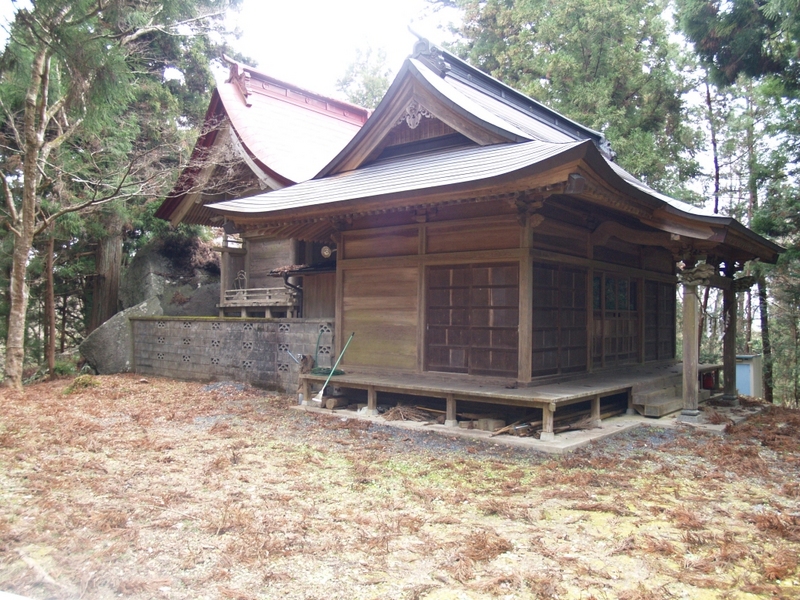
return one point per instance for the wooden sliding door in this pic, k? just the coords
(473, 319)
(616, 319)
(559, 319)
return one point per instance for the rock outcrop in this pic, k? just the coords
(109, 348)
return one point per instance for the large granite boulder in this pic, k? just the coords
(109, 348)
(183, 271)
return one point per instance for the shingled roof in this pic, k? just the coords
(503, 142)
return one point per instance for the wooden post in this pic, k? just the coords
(730, 395)
(596, 411)
(372, 401)
(525, 332)
(305, 391)
(450, 418)
(547, 434)
(690, 354)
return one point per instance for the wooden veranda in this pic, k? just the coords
(652, 390)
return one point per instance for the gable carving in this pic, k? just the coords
(413, 114)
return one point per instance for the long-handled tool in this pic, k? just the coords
(318, 397)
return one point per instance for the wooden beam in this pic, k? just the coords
(600, 265)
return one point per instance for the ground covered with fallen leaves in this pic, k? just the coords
(114, 487)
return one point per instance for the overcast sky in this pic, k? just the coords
(311, 42)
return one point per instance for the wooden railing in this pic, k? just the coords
(260, 297)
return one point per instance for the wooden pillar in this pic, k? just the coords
(547, 434)
(730, 395)
(450, 418)
(690, 353)
(372, 401)
(596, 411)
(224, 272)
(525, 332)
(305, 392)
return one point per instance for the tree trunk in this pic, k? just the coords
(108, 264)
(712, 125)
(25, 221)
(63, 342)
(766, 343)
(50, 309)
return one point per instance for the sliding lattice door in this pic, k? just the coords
(473, 319)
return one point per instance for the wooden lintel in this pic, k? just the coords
(546, 255)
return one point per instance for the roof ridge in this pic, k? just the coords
(446, 64)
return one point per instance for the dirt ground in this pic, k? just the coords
(164, 489)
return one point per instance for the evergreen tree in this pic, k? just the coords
(609, 65)
(367, 78)
(87, 116)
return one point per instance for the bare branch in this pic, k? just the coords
(12, 210)
(12, 123)
(127, 39)
(51, 145)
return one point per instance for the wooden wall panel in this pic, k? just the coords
(390, 242)
(235, 264)
(558, 236)
(381, 307)
(658, 259)
(319, 296)
(265, 255)
(464, 237)
(618, 252)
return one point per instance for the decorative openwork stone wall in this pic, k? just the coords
(251, 350)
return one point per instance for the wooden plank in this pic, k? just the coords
(389, 241)
(459, 237)
(392, 262)
(263, 255)
(381, 306)
(319, 296)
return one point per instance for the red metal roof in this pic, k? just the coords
(290, 133)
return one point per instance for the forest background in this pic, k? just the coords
(101, 102)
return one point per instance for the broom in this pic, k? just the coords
(318, 397)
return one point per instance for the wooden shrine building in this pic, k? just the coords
(488, 249)
(259, 134)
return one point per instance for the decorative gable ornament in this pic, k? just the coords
(413, 115)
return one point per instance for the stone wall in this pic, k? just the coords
(249, 350)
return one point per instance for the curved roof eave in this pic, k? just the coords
(633, 187)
